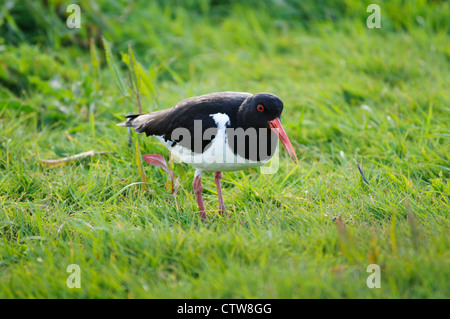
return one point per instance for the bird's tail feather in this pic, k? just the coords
(129, 122)
(150, 123)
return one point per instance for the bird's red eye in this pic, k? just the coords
(260, 107)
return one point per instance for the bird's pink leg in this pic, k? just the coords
(217, 178)
(198, 188)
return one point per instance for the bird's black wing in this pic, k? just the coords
(170, 123)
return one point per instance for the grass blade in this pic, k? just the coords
(114, 68)
(140, 167)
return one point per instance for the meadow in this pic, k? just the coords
(376, 97)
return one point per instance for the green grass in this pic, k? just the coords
(351, 95)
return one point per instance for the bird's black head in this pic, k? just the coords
(263, 110)
(259, 109)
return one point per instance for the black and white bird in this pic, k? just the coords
(216, 132)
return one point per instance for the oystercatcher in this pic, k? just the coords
(223, 131)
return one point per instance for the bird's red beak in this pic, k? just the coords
(275, 125)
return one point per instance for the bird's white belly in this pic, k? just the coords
(218, 157)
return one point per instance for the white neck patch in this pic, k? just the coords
(221, 119)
